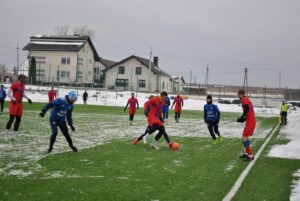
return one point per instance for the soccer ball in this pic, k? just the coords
(175, 146)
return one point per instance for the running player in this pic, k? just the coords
(178, 102)
(61, 109)
(133, 106)
(248, 117)
(51, 94)
(16, 93)
(165, 109)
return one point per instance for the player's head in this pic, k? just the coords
(209, 99)
(52, 88)
(132, 95)
(283, 102)
(2, 87)
(241, 93)
(163, 95)
(150, 97)
(72, 97)
(22, 78)
(178, 94)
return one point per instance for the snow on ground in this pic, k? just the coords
(291, 149)
(112, 98)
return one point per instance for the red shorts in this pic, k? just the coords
(177, 110)
(154, 120)
(249, 128)
(132, 111)
(16, 109)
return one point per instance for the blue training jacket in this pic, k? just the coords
(61, 110)
(2, 94)
(211, 113)
(167, 105)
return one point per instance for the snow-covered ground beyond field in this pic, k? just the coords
(290, 150)
(111, 98)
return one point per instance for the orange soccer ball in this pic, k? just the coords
(175, 146)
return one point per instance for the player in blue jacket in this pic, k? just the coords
(61, 109)
(165, 109)
(2, 98)
(212, 118)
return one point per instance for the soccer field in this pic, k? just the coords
(108, 167)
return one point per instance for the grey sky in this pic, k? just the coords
(229, 35)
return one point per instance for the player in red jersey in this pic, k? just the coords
(154, 119)
(178, 102)
(248, 117)
(16, 94)
(51, 95)
(133, 106)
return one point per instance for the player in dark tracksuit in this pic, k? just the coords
(166, 108)
(212, 118)
(61, 109)
(2, 98)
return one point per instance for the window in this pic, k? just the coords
(65, 60)
(121, 70)
(138, 70)
(64, 74)
(121, 82)
(142, 83)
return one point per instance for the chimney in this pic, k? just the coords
(155, 61)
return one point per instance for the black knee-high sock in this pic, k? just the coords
(52, 140)
(146, 132)
(178, 115)
(65, 131)
(131, 117)
(17, 123)
(10, 121)
(167, 115)
(164, 115)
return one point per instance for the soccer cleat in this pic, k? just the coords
(250, 158)
(130, 123)
(177, 121)
(221, 138)
(74, 148)
(49, 150)
(145, 139)
(14, 134)
(154, 145)
(244, 155)
(215, 142)
(135, 141)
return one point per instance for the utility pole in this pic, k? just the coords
(245, 85)
(206, 78)
(279, 84)
(191, 75)
(150, 67)
(18, 58)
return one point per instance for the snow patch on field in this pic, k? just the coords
(230, 166)
(290, 132)
(295, 195)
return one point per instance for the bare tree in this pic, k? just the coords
(83, 31)
(3, 69)
(61, 30)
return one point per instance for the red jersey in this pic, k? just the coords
(132, 105)
(18, 89)
(178, 103)
(51, 95)
(250, 116)
(155, 105)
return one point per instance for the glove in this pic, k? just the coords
(29, 101)
(241, 119)
(73, 128)
(42, 114)
(146, 113)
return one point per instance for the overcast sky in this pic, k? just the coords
(229, 35)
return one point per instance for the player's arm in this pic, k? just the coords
(50, 105)
(173, 103)
(243, 117)
(137, 104)
(70, 120)
(126, 106)
(9, 94)
(28, 99)
(4, 94)
(205, 114)
(182, 102)
(218, 113)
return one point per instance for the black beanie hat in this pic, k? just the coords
(209, 97)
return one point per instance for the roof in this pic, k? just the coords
(144, 62)
(107, 63)
(60, 43)
(177, 79)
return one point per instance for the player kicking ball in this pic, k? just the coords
(212, 118)
(248, 117)
(155, 121)
(61, 109)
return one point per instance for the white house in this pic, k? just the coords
(133, 73)
(64, 59)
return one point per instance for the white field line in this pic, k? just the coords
(242, 177)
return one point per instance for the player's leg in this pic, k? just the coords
(64, 129)
(162, 132)
(216, 129)
(164, 115)
(211, 131)
(2, 105)
(143, 136)
(17, 125)
(248, 131)
(131, 118)
(178, 116)
(10, 121)
(54, 132)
